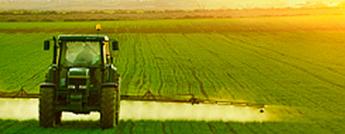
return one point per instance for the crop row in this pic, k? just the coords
(22, 64)
(289, 65)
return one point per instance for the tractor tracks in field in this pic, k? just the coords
(305, 95)
(142, 77)
(181, 67)
(158, 64)
(242, 85)
(139, 66)
(298, 59)
(125, 73)
(216, 84)
(135, 60)
(226, 38)
(196, 75)
(155, 65)
(133, 69)
(201, 84)
(223, 64)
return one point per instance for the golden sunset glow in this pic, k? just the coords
(268, 3)
(164, 4)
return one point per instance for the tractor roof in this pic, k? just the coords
(76, 37)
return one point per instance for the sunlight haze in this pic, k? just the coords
(161, 4)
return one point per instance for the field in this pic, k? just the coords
(111, 15)
(295, 62)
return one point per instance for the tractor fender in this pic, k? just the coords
(112, 75)
(52, 72)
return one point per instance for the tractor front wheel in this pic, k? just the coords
(46, 107)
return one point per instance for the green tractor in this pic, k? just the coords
(81, 79)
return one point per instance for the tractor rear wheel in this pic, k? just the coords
(46, 107)
(117, 106)
(109, 107)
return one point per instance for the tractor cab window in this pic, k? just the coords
(81, 54)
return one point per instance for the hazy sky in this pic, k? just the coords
(160, 4)
(265, 3)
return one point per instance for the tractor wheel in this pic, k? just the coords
(46, 107)
(109, 107)
(58, 117)
(117, 107)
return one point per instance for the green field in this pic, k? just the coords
(296, 62)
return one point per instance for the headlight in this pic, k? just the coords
(82, 86)
(71, 86)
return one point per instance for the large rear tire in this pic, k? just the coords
(109, 107)
(117, 106)
(46, 107)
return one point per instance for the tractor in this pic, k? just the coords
(81, 79)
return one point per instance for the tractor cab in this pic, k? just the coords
(82, 53)
(82, 50)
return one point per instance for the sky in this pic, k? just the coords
(266, 3)
(162, 4)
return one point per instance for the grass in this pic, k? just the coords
(332, 23)
(22, 64)
(296, 62)
(169, 127)
(110, 15)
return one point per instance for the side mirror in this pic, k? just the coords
(115, 45)
(46, 45)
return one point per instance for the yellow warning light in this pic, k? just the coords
(98, 27)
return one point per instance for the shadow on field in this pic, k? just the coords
(164, 127)
(78, 124)
(72, 127)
